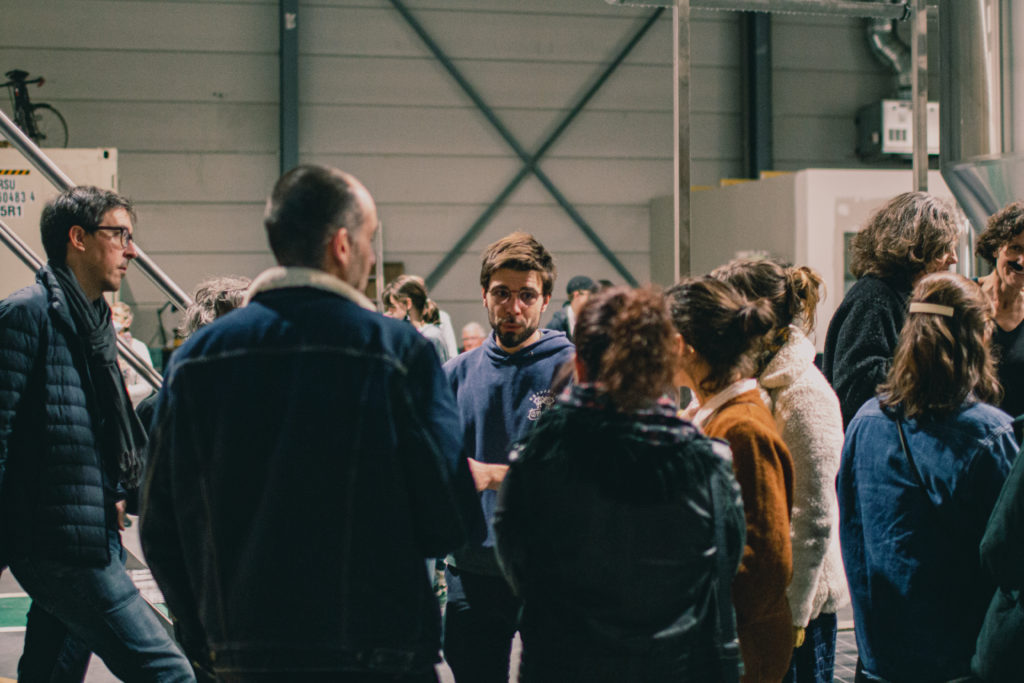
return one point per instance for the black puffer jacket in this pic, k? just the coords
(605, 528)
(56, 498)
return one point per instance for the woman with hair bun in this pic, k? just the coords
(921, 470)
(619, 524)
(806, 412)
(406, 298)
(720, 332)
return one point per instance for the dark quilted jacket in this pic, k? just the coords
(55, 502)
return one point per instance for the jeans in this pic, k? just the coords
(51, 654)
(814, 661)
(104, 612)
(480, 622)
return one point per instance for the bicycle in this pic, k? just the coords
(38, 120)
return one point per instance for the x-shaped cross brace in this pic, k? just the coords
(530, 162)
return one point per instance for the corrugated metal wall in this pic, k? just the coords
(187, 91)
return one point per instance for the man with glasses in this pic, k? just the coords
(501, 389)
(70, 445)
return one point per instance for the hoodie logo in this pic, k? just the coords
(540, 400)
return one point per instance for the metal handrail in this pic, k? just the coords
(30, 259)
(847, 8)
(49, 169)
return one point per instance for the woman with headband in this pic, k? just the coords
(922, 466)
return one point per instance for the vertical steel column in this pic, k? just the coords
(919, 93)
(289, 83)
(681, 114)
(756, 44)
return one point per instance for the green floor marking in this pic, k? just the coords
(13, 611)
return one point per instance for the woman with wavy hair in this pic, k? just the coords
(914, 234)
(922, 466)
(406, 298)
(806, 412)
(618, 523)
(721, 331)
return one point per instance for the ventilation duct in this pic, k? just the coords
(891, 51)
(982, 104)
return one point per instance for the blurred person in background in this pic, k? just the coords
(405, 298)
(138, 388)
(473, 336)
(579, 290)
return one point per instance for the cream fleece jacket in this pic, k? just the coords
(806, 412)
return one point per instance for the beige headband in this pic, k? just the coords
(938, 309)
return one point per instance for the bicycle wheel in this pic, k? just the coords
(51, 129)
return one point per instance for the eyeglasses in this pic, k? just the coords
(124, 235)
(501, 295)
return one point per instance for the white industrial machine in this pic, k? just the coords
(805, 218)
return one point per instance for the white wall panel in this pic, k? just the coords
(470, 179)
(212, 228)
(189, 178)
(172, 26)
(428, 227)
(174, 126)
(104, 74)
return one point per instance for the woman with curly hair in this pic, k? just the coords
(618, 523)
(914, 234)
(806, 411)
(922, 466)
(720, 332)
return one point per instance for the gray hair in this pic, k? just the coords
(213, 298)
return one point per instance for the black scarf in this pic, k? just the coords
(124, 434)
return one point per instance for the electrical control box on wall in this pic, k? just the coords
(886, 129)
(24, 191)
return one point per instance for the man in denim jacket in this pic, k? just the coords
(306, 463)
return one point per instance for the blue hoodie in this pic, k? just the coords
(499, 396)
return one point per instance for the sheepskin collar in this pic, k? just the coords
(791, 361)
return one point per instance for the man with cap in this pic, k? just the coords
(579, 290)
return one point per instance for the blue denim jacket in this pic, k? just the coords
(305, 461)
(911, 554)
